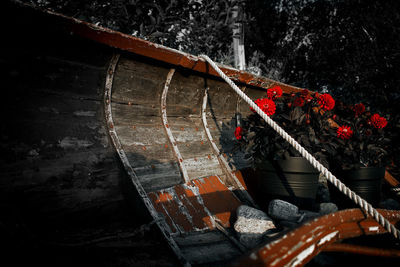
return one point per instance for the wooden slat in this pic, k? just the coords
(211, 248)
(391, 180)
(199, 238)
(141, 135)
(214, 254)
(138, 82)
(158, 176)
(140, 155)
(189, 207)
(202, 166)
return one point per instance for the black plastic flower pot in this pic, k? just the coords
(365, 182)
(294, 180)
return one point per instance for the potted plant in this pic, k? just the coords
(356, 148)
(280, 170)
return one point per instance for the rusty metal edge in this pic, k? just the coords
(160, 221)
(297, 247)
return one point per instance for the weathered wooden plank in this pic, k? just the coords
(221, 202)
(202, 166)
(208, 244)
(212, 254)
(139, 155)
(138, 82)
(141, 135)
(55, 123)
(186, 91)
(133, 113)
(199, 238)
(222, 100)
(189, 207)
(158, 176)
(55, 76)
(128, 114)
(149, 136)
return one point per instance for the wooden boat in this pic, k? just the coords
(167, 116)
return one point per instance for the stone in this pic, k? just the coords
(326, 208)
(323, 193)
(283, 211)
(252, 225)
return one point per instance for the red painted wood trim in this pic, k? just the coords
(355, 249)
(299, 246)
(391, 180)
(151, 50)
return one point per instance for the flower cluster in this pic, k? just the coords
(274, 92)
(239, 133)
(293, 112)
(266, 105)
(359, 109)
(359, 140)
(298, 102)
(326, 102)
(332, 131)
(377, 121)
(344, 132)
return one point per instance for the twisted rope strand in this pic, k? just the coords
(330, 177)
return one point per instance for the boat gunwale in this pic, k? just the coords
(315, 235)
(155, 51)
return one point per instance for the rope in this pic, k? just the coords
(330, 177)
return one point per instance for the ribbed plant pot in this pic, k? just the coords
(365, 181)
(294, 180)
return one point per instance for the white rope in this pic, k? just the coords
(330, 177)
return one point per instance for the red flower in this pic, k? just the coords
(359, 109)
(344, 132)
(266, 105)
(304, 93)
(326, 102)
(308, 98)
(298, 102)
(377, 121)
(238, 133)
(274, 92)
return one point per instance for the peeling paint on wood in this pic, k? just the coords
(300, 245)
(191, 206)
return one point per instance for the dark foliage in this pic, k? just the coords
(191, 26)
(349, 47)
(366, 146)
